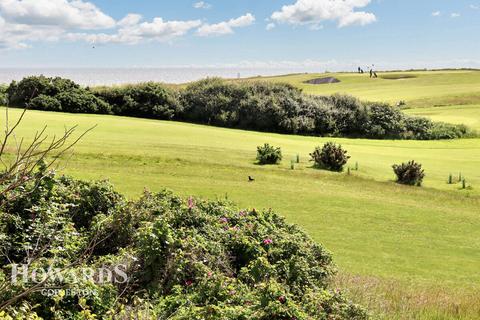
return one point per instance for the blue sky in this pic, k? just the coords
(322, 34)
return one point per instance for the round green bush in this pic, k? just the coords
(409, 173)
(268, 154)
(330, 157)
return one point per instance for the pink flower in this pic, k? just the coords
(267, 241)
(188, 283)
(210, 274)
(242, 213)
(191, 203)
(223, 220)
(282, 299)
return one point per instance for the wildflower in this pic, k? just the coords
(267, 241)
(282, 299)
(188, 283)
(223, 220)
(191, 203)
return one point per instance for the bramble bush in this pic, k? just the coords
(330, 157)
(410, 173)
(185, 258)
(268, 154)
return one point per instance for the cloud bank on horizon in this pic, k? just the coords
(25, 22)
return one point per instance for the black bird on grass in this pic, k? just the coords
(250, 179)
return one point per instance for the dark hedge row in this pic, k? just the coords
(261, 106)
(184, 258)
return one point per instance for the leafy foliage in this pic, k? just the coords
(20, 94)
(268, 154)
(149, 100)
(82, 101)
(330, 157)
(410, 173)
(3, 94)
(186, 258)
(44, 102)
(251, 105)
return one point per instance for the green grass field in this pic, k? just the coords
(407, 252)
(417, 88)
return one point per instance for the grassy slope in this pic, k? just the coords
(425, 238)
(372, 227)
(426, 89)
(464, 114)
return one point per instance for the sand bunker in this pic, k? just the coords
(323, 80)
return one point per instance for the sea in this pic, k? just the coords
(118, 76)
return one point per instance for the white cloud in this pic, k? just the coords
(131, 31)
(202, 5)
(23, 23)
(436, 13)
(130, 19)
(59, 13)
(226, 27)
(270, 26)
(474, 7)
(314, 12)
(455, 15)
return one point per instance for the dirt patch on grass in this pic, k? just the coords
(397, 76)
(323, 80)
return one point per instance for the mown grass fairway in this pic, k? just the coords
(372, 225)
(417, 88)
(426, 241)
(467, 114)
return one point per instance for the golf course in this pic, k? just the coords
(404, 252)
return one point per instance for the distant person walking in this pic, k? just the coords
(373, 73)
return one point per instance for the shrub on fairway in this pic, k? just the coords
(268, 154)
(410, 173)
(330, 157)
(47, 103)
(184, 258)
